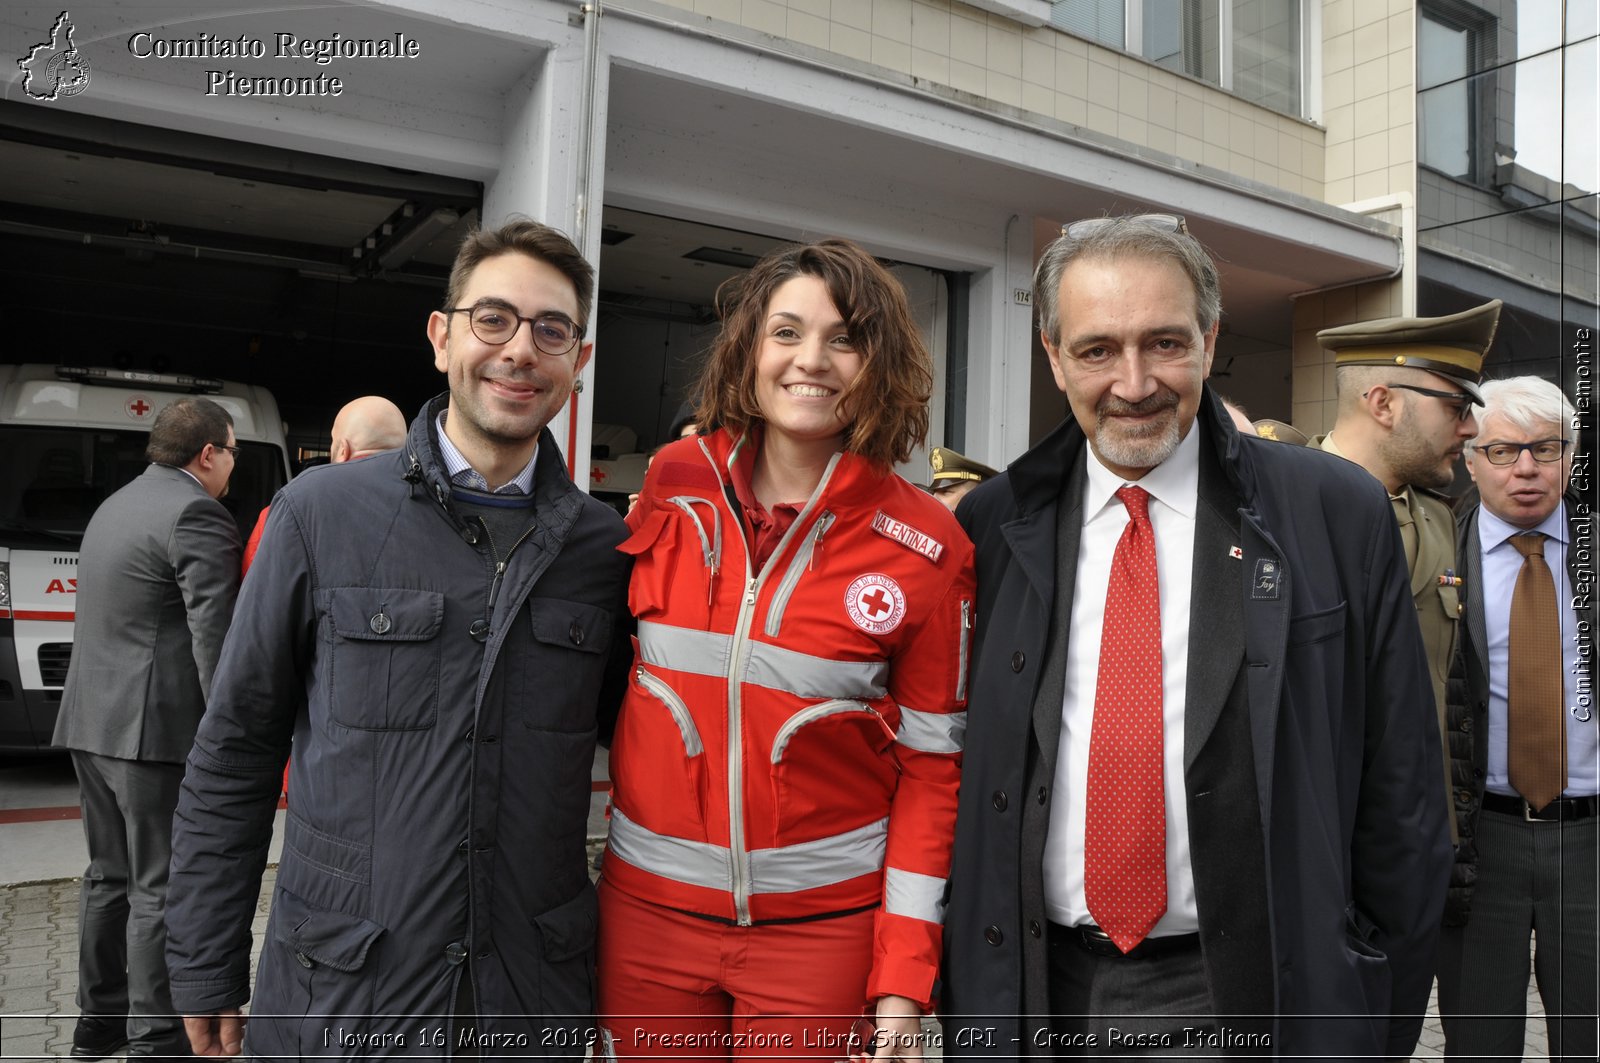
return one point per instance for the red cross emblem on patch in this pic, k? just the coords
(138, 407)
(875, 603)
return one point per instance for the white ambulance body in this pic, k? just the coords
(69, 437)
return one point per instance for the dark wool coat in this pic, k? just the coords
(443, 734)
(1317, 825)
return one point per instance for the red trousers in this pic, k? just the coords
(676, 987)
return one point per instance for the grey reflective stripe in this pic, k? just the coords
(662, 692)
(914, 896)
(694, 863)
(810, 715)
(932, 732)
(797, 568)
(815, 677)
(707, 653)
(963, 645)
(684, 649)
(823, 862)
(789, 869)
(710, 547)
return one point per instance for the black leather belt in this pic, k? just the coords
(1562, 808)
(1091, 938)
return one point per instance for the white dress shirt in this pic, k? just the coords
(1174, 488)
(1501, 563)
(462, 474)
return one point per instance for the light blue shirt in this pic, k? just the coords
(1501, 563)
(462, 474)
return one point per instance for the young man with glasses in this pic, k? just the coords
(1406, 388)
(441, 630)
(1522, 715)
(1195, 814)
(157, 575)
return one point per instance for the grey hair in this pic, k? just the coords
(1126, 237)
(1527, 402)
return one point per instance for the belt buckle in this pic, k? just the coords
(1529, 815)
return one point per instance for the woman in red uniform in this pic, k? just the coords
(788, 754)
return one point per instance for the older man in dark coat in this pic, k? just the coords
(1246, 852)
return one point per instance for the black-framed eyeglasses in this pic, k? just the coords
(1543, 450)
(1167, 223)
(552, 333)
(1460, 399)
(229, 447)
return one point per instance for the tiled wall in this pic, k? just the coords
(1369, 98)
(1315, 402)
(949, 45)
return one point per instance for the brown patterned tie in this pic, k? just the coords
(1537, 736)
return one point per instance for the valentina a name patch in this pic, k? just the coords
(907, 536)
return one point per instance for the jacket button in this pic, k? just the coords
(1477, 773)
(992, 935)
(1464, 797)
(469, 734)
(490, 740)
(998, 800)
(1043, 795)
(1466, 723)
(1034, 928)
(470, 534)
(305, 961)
(1017, 661)
(380, 623)
(575, 633)
(479, 630)
(455, 953)
(462, 848)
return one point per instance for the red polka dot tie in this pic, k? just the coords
(1125, 827)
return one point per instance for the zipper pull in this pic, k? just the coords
(494, 585)
(750, 593)
(824, 522)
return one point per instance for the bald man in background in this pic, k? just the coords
(363, 427)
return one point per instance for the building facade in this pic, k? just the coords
(1343, 159)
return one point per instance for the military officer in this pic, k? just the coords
(954, 475)
(1406, 388)
(1281, 431)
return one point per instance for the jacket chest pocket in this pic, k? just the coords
(384, 674)
(563, 664)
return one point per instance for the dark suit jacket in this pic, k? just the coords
(1319, 848)
(1468, 696)
(157, 576)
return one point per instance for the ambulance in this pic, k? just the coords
(69, 437)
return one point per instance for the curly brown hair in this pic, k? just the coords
(887, 401)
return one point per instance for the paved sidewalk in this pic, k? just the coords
(39, 973)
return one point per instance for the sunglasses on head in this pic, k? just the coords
(1167, 223)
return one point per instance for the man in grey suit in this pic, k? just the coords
(157, 578)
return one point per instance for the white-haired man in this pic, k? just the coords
(1520, 708)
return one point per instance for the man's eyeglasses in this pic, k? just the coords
(1167, 223)
(1459, 399)
(1543, 450)
(495, 325)
(230, 448)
